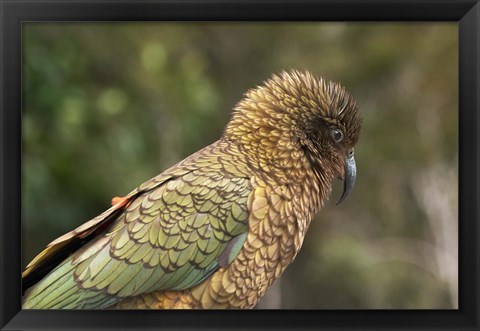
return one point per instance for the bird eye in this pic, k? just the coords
(337, 135)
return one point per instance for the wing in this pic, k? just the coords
(169, 238)
(62, 247)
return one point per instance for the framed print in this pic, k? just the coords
(287, 165)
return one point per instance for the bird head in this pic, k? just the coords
(296, 120)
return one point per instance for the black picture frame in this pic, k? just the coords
(14, 12)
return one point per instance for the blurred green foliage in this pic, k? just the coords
(107, 106)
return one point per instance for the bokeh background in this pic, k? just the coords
(108, 106)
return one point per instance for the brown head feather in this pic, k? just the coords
(288, 120)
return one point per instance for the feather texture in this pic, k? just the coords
(218, 228)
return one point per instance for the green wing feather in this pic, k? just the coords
(169, 238)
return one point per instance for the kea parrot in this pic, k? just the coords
(218, 228)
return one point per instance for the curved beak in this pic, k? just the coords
(349, 176)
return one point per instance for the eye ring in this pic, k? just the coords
(337, 135)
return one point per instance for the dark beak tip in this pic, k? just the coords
(342, 198)
(349, 178)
